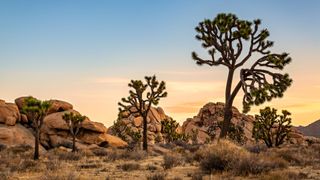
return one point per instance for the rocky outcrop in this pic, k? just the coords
(200, 127)
(55, 132)
(9, 113)
(131, 124)
(16, 135)
(17, 129)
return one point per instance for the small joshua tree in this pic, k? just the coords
(36, 110)
(272, 128)
(141, 98)
(169, 128)
(226, 38)
(74, 122)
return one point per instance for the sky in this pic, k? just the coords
(86, 52)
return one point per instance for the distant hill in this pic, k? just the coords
(312, 129)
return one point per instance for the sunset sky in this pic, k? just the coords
(85, 52)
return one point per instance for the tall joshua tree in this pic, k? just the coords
(141, 98)
(232, 42)
(36, 110)
(74, 122)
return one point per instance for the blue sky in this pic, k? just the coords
(79, 50)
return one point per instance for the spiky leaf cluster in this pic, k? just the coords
(225, 37)
(35, 110)
(271, 127)
(74, 121)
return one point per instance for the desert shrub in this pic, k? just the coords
(196, 176)
(284, 175)
(25, 165)
(58, 176)
(20, 148)
(151, 167)
(90, 166)
(100, 152)
(157, 176)
(169, 129)
(53, 165)
(125, 154)
(255, 148)
(69, 156)
(219, 157)
(4, 175)
(129, 166)
(256, 164)
(2, 147)
(171, 160)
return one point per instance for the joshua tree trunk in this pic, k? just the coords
(74, 143)
(36, 145)
(227, 106)
(145, 133)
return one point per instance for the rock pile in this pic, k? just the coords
(130, 124)
(209, 116)
(16, 128)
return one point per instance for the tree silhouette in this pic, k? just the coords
(141, 98)
(74, 122)
(36, 110)
(271, 127)
(231, 42)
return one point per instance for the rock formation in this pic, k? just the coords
(16, 128)
(210, 115)
(130, 125)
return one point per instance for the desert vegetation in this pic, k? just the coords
(145, 143)
(223, 159)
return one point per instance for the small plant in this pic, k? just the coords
(272, 128)
(129, 166)
(171, 160)
(157, 176)
(74, 122)
(169, 128)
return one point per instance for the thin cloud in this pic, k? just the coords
(193, 87)
(110, 80)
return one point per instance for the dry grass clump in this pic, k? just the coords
(117, 154)
(256, 164)
(172, 160)
(100, 152)
(58, 176)
(298, 155)
(157, 176)
(284, 175)
(226, 156)
(220, 156)
(129, 166)
(70, 156)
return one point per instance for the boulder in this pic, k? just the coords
(137, 121)
(59, 106)
(134, 123)
(210, 116)
(55, 132)
(9, 113)
(16, 135)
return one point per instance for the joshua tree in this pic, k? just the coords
(169, 128)
(36, 110)
(271, 127)
(141, 98)
(74, 122)
(231, 42)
